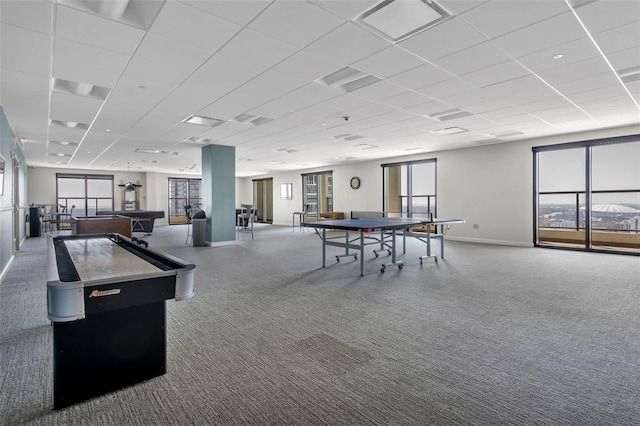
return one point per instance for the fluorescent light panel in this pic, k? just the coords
(450, 131)
(203, 121)
(397, 20)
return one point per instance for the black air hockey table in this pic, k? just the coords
(106, 299)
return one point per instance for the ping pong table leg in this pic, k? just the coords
(361, 252)
(399, 263)
(429, 255)
(324, 247)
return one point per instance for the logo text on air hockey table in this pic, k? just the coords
(100, 293)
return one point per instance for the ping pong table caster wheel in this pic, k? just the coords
(389, 252)
(382, 269)
(436, 259)
(376, 253)
(400, 266)
(338, 259)
(355, 256)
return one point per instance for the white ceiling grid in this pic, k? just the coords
(257, 66)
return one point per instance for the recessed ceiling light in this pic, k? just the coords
(108, 130)
(397, 20)
(558, 56)
(148, 151)
(80, 89)
(364, 146)
(450, 131)
(70, 124)
(203, 121)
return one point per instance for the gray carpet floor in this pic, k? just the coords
(492, 335)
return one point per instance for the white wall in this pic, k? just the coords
(490, 186)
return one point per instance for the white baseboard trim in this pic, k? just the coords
(5, 271)
(486, 241)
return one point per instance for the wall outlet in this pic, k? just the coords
(475, 226)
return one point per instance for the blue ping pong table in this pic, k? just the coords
(382, 224)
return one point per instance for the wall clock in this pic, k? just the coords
(355, 182)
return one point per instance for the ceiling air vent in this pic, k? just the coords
(449, 114)
(348, 79)
(628, 75)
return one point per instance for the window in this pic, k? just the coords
(317, 192)
(587, 195)
(410, 187)
(183, 192)
(85, 194)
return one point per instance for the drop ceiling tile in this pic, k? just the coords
(19, 60)
(257, 48)
(554, 31)
(307, 65)
(501, 17)
(194, 94)
(347, 102)
(227, 68)
(390, 61)
(620, 38)
(545, 104)
(573, 52)
(296, 23)
(306, 96)
(186, 24)
(625, 59)
(16, 38)
(240, 12)
(72, 24)
(498, 73)
(31, 15)
(515, 86)
(152, 74)
(429, 46)
(576, 71)
(589, 83)
(57, 133)
(596, 94)
(406, 99)
(467, 98)
(171, 52)
(277, 83)
(346, 9)
(492, 105)
(24, 80)
(526, 97)
(66, 107)
(472, 59)
(378, 91)
(600, 16)
(347, 44)
(446, 88)
(80, 62)
(459, 7)
(421, 76)
(428, 108)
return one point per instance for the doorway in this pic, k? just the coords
(263, 199)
